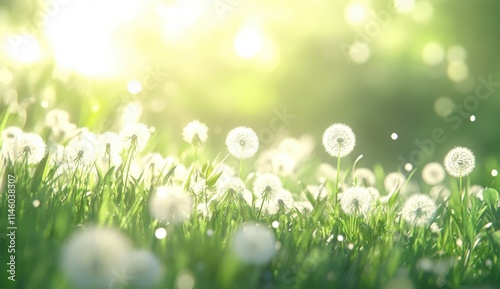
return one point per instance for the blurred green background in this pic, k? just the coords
(238, 62)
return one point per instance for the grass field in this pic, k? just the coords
(104, 211)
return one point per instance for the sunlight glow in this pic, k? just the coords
(179, 16)
(81, 35)
(355, 13)
(249, 42)
(23, 48)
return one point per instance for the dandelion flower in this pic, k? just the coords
(356, 201)
(109, 143)
(433, 173)
(56, 118)
(339, 140)
(303, 206)
(419, 210)
(374, 193)
(136, 134)
(170, 204)
(10, 133)
(459, 162)
(80, 152)
(325, 171)
(91, 258)
(29, 147)
(283, 164)
(144, 268)
(440, 192)
(282, 199)
(435, 228)
(476, 191)
(198, 186)
(364, 177)
(254, 244)
(232, 186)
(195, 133)
(394, 181)
(266, 185)
(242, 142)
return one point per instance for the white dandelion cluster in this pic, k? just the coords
(339, 140)
(242, 142)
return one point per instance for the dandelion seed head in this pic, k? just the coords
(364, 177)
(303, 207)
(145, 268)
(90, 256)
(355, 201)
(198, 186)
(394, 181)
(281, 200)
(459, 162)
(136, 134)
(318, 192)
(266, 185)
(233, 186)
(153, 164)
(374, 193)
(10, 133)
(170, 204)
(325, 171)
(80, 152)
(476, 191)
(419, 210)
(339, 140)
(29, 146)
(195, 132)
(440, 192)
(435, 228)
(433, 173)
(283, 164)
(109, 143)
(56, 118)
(242, 142)
(254, 244)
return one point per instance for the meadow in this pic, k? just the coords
(86, 209)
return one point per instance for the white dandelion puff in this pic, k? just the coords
(144, 269)
(435, 228)
(195, 133)
(109, 143)
(242, 142)
(254, 244)
(80, 152)
(459, 162)
(232, 186)
(28, 147)
(364, 177)
(137, 135)
(266, 185)
(170, 204)
(419, 210)
(303, 206)
(198, 186)
(10, 133)
(281, 200)
(394, 181)
(433, 173)
(91, 257)
(339, 140)
(476, 191)
(283, 164)
(325, 172)
(440, 192)
(355, 201)
(56, 118)
(374, 193)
